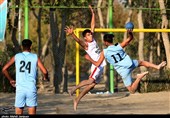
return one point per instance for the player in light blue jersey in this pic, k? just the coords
(123, 64)
(26, 76)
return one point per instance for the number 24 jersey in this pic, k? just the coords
(26, 70)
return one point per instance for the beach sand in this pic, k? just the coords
(110, 103)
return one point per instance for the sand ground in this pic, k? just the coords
(115, 103)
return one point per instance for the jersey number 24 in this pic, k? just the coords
(25, 66)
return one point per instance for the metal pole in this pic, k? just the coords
(77, 64)
(111, 26)
(84, 7)
(26, 12)
(123, 30)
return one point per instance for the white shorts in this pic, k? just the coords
(96, 73)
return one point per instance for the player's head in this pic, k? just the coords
(108, 38)
(87, 34)
(26, 44)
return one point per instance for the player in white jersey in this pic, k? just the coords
(123, 64)
(92, 49)
(26, 76)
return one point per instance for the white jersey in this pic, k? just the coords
(94, 52)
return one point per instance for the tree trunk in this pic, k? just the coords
(129, 18)
(105, 77)
(165, 34)
(54, 37)
(140, 47)
(38, 17)
(141, 39)
(17, 47)
(62, 53)
(39, 29)
(158, 47)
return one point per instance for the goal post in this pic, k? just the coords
(122, 30)
(102, 30)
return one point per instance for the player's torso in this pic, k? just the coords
(94, 51)
(26, 69)
(116, 56)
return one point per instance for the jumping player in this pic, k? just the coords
(123, 64)
(92, 49)
(26, 70)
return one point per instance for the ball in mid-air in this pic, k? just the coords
(129, 25)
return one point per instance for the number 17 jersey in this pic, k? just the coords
(26, 70)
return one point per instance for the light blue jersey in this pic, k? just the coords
(122, 63)
(26, 72)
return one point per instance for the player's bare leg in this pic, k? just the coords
(19, 111)
(81, 84)
(84, 92)
(32, 110)
(134, 85)
(148, 64)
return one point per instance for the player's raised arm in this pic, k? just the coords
(129, 26)
(92, 19)
(69, 31)
(128, 40)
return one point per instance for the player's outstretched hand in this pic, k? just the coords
(69, 30)
(129, 30)
(46, 79)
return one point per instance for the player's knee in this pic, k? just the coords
(140, 62)
(90, 80)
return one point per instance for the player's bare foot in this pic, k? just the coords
(141, 75)
(161, 65)
(70, 93)
(75, 105)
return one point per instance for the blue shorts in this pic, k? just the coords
(25, 97)
(125, 73)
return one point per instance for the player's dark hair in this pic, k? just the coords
(85, 32)
(26, 44)
(108, 38)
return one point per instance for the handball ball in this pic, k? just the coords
(129, 25)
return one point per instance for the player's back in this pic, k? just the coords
(26, 70)
(116, 56)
